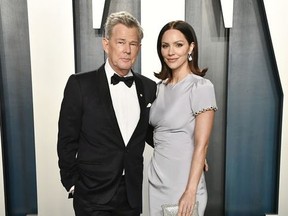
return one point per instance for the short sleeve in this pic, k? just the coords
(202, 97)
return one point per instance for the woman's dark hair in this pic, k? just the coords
(189, 33)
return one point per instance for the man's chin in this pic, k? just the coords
(125, 67)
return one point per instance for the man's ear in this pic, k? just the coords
(105, 44)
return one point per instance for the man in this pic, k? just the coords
(102, 127)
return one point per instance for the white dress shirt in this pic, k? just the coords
(126, 104)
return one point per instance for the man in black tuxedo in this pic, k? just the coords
(103, 125)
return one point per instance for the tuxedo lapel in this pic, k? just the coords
(105, 98)
(103, 89)
(142, 104)
(140, 93)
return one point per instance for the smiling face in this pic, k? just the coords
(122, 48)
(175, 49)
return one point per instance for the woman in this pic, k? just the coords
(182, 116)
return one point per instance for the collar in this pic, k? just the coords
(110, 72)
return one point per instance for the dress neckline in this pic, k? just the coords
(181, 81)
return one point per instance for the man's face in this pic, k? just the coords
(122, 48)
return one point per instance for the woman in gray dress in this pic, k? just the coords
(182, 116)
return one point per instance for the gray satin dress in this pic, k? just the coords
(173, 116)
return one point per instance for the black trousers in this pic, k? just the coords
(118, 206)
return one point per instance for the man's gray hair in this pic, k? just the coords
(125, 18)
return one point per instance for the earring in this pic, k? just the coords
(189, 57)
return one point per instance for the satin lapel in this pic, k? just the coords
(142, 103)
(105, 97)
(140, 94)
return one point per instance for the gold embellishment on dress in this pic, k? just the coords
(204, 110)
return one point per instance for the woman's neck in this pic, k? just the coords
(177, 76)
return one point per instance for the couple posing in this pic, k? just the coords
(107, 115)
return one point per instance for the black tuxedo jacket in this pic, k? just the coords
(91, 150)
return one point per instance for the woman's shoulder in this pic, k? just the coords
(198, 81)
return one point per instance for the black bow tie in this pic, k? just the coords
(115, 79)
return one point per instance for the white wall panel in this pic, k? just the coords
(52, 61)
(154, 15)
(227, 11)
(277, 16)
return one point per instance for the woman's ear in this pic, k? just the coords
(192, 45)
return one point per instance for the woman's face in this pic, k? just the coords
(175, 50)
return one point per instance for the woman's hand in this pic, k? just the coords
(186, 203)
